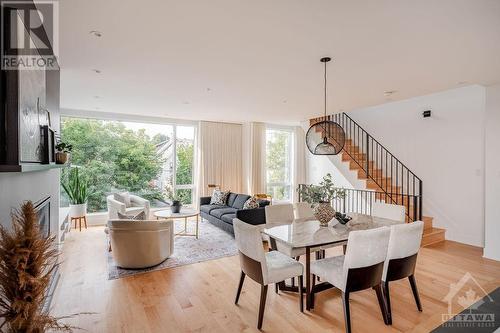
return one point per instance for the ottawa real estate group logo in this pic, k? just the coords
(468, 294)
(29, 36)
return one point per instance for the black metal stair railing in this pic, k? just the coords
(395, 182)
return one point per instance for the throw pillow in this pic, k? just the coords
(219, 197)
(251, 203)
(123, 197)
(138, 217)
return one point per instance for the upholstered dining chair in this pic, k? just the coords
(388, 211)
(359, 269)
(261, 266)
(401, 260)
(279, 214)
(303, 211)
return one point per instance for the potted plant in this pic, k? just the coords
(63, 152)
(176, 204)
(77, 190)
(320, 197)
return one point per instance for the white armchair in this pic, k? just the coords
(136, 205)
(141, 244)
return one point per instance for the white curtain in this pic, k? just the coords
(254, 149)
(299, 167)
(219, 156)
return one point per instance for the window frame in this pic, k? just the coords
(290, 159)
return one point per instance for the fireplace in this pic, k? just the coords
(42, 208)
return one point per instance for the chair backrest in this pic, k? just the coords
(303, 211)
(366, 248)
(404, 241)
(388, 211)
(249, 243)
(139, 244)
(279, 214)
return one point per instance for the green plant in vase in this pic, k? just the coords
(76, 188)
(63, 153)
(320, 198)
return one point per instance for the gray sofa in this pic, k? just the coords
(222, 215)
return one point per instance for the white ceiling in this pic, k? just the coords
(258, 60)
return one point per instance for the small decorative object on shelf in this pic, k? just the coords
(77, 190)
(320, 197)
(63, 153)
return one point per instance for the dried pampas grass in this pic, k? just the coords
(27, 261)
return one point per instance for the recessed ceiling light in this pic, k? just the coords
(97, 96)
(285, 101)
(389, 93)
(97, 108)
(185, 102)
(98, 71)
(209, 89)
(96, 33)
(461, 83)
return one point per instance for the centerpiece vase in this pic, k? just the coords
(175, 207)
(324, 212)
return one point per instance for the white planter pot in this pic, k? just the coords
(78, 210)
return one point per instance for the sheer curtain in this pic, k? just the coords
(254, 150)
(219, 156)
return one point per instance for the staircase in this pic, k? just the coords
(387, 178)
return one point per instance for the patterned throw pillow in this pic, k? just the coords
(251, 203)
(219, 197)
(137, 217)
(123, 197)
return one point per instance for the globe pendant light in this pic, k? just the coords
(332, 134)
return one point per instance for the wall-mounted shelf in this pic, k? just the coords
(31, 167)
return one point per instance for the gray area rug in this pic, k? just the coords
(213, 243)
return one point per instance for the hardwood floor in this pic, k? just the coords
(200, 297)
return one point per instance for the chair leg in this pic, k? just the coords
(388, 302)
(381, 303)
(413, 285)
(240, 285)
(347, 313)
(276, 287)
(344, 248)
(263, 294)
(312, 291)
(301, 292)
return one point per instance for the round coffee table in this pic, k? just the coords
(185, 213)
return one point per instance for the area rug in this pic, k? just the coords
(213, 243)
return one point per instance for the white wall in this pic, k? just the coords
(492, 174)
(446, 151)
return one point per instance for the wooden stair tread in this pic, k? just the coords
(433, 236)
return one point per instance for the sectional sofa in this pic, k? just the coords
(222, 215)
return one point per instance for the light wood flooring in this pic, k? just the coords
(200, 297)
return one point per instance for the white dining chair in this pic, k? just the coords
(261, 266)
(359, 269)
(279, 214)
(401, 260)
(303, 211)
(388, 211)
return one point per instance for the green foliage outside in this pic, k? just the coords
(113, 158)
(277, 163)
(184, 172)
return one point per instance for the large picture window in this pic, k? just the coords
(279, 148)
(154, 161)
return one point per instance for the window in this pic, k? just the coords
(279, 144)
(154, 161)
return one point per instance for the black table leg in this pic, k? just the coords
(308, 278)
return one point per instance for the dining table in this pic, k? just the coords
(310, 234)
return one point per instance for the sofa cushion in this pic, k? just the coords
(219, 197)
(219, 212)
(123, 197)
(231, 198)
(208, 208)
(228, 218)
(252, 202)
(240, 201)
(139, 216)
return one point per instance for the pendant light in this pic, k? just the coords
(332, 134)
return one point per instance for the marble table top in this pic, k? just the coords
(309, 233)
